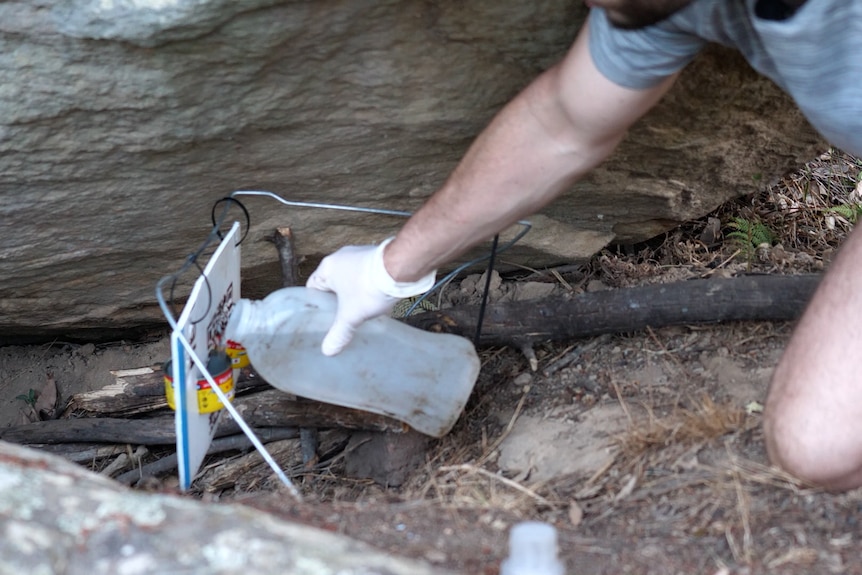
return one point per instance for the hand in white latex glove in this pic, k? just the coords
(365, 289)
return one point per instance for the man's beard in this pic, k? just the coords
(642, 13)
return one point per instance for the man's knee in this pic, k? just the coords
(785, 449)
(810, 451)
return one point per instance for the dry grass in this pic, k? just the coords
(458, 477)
(704, 420)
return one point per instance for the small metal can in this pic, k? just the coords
(237, 354)
(220, 368)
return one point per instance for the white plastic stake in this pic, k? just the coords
(532, 551)
(240, 421)
(219, 286)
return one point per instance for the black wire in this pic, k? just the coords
(487, 290)
(174, 278)
(217, 224)
(209, 294)
(192, 259)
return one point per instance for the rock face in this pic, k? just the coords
(56, 517)
(125, 120)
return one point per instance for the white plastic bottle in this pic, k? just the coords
(423, 379)
(532, 550)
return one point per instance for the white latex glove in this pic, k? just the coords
(365, 289)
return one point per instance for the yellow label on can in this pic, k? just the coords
(207, 399)
(237, 354)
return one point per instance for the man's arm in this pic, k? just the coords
(558, 129)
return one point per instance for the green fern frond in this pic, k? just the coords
(750, 234)
(849, 212)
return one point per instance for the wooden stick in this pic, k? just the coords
(220, 445)
(226, 473)
(309, 437)
(745, 298)
(80, 452)
(287, 257)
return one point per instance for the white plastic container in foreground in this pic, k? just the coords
(532, 550)
(423, 379)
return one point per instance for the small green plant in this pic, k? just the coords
(849, 212)
(29, 398)
(749, 235)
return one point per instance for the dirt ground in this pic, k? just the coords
(644, 449)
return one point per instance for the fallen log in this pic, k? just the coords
(274, 408)
(271, 408)
(151, 431)
(58, 517)
(141, 390)
(743, 298)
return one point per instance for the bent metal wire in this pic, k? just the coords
(167, 305)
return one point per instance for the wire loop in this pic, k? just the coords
(168, 308)
(217, 223)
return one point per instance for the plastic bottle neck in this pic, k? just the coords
(242, 316)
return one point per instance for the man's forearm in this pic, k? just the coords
(558, 129)
(512, 170)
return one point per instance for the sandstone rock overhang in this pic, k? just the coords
(124, 121)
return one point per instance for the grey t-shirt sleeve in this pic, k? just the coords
(640, 59)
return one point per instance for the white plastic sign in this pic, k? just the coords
(202, 323)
